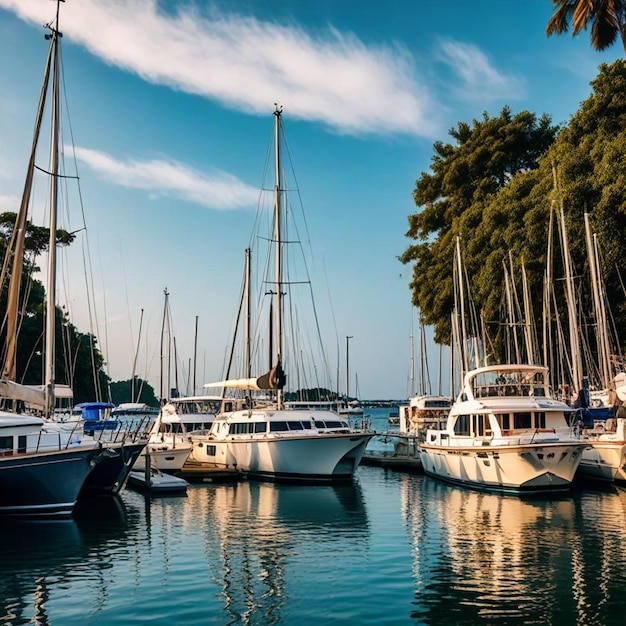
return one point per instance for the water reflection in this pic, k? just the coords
(483, 557)
(39, 555)
(255, 530)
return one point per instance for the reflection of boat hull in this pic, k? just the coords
(533, 468)
(332, 457)
(44, 484)
(110, 475)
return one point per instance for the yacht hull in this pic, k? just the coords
(319, 458)
(536, 468)
(44, 484)
(110, 475)
(165, 459)
(604, 461)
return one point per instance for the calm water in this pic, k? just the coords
(392, 548)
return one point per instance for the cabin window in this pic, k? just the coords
(295, 425)
(334, 424)
(259, 427)
(540, 419)
(210, 450)
(320, 424)
(21, 443)
(6, 445)
(522, 420)
(461, 426)
(505, 421)
(479, 425)
(278, 426)
(306, 424)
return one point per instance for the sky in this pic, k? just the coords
(170, 114)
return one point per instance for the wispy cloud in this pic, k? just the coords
(247, 64)
(220, 190)
(478, 79)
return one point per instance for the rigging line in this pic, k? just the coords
(87, 266)
(53, 175)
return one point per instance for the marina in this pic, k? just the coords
(390, 548)
(493, 491)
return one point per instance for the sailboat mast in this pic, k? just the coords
(16, 244)
(248, 356)
(278, 244)
(54, 169)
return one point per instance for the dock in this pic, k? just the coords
(198, 472)
(389, 460)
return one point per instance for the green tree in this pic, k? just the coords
(456, 199)
(606, 17)
(514, 211)
(121, 391)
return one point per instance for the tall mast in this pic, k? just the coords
(278, 244)
(248, 357)
(16, 244)
(54, 185)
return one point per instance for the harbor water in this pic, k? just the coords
(391, 548)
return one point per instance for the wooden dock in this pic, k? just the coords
(389, 460)
(197, 472)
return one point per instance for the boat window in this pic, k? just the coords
(21, 443)
(319, 424)
(6, 445)
(540, 419)
(260, 427)
(306, 424)
(505, 421)
(461, 426)
(522, 420)
(211, 450)
(278, 426)
(334, 425)
(240, 428)
(479, 425)
(295, 425)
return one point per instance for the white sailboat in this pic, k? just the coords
(42, 468)
(263, 438)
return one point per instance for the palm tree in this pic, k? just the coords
(606, 17)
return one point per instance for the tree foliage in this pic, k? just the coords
(78, 361)
(489, 156)
(122, 391)
(494, 188)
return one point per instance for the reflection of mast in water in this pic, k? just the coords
(479, 556)
(254, 529)
(249, 552)
(492, 555)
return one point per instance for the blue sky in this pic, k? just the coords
(171, 113)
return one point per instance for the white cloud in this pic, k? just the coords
(246, 64)
(479, 80)
(220, 190)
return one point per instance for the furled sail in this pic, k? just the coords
(274, 379)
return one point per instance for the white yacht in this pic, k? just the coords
(167, 448)
(422, 413)
(505, 433)
(282, 444)
(261, 436)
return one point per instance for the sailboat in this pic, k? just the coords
(42, 469)
(261, 436)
